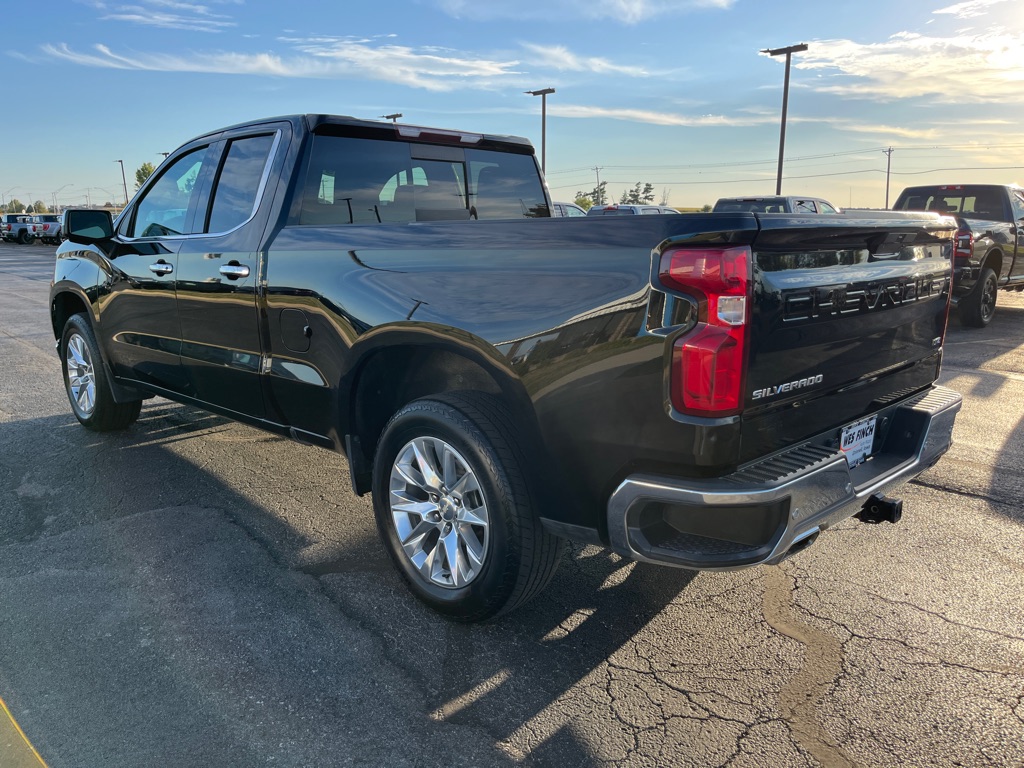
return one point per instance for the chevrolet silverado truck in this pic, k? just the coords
(18, 228)
(988, 249)
(706, 391)
(48, 227)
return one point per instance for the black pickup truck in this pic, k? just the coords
(988, 251)
(708, 391)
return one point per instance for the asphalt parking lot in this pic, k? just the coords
(195, 592)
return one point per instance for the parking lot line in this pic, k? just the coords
(16, 751)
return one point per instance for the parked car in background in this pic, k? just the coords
(988, 252)
(18, 228)
(48, 228)
(567, 209)
(774, 204)
(616, 209)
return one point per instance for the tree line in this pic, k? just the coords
(642, 193)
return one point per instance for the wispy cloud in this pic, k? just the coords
(970, 8)
(166, 14)
(652, 117)
(965, 67)
(624, 11)
(560, 58)
(431, 69)
(887, 132)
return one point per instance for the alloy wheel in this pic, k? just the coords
(439, 512)
(81, 375)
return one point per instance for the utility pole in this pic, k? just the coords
(123, 182)
(888, 165)
(789, 51)
(543, 93)
(597, 189)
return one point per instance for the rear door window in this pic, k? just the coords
(240, 183)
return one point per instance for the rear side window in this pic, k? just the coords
(804, 206)
(239, 183)
(372, 181)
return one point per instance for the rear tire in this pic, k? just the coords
(86, 383)
(978, 307)
(24, 237)
(454, 509)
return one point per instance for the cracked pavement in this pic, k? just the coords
(195, 592)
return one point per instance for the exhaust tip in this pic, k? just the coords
(798, 546)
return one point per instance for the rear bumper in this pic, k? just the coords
(761, 512)
(965, 278)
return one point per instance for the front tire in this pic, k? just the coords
(86, 383)
(454, 509)
(979, 306)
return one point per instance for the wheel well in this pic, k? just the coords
(994, 260)
(395, 376)
(64, 306)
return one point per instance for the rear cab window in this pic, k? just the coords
(353, 180)
(967, 201)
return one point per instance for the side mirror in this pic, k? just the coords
(87, 227)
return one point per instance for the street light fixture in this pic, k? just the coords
(392, 117)
(789, 51)
(543, 93)
(57, 192)
(123, 182)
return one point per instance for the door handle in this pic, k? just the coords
(161, 268)
(234, 270)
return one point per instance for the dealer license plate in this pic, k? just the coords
(857, 441)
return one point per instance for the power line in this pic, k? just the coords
(816, 175)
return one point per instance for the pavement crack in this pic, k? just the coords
(800, 697)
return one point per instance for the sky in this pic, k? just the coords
(670, 92)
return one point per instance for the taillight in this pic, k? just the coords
(963, 244)
(708, 363)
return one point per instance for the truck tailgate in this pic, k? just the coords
(849, 315)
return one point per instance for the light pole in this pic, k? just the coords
(789, 51)
(392, 117)
(543, 93)
(54, 195)
(123, 182)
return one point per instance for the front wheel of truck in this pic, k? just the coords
(454, 508)
(85, 380)
(978, 307)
